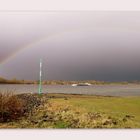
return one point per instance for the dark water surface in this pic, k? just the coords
(112, 90)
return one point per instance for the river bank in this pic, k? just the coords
(76, 111)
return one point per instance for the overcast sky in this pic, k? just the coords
(73, 45)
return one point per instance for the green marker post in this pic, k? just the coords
(40, 78)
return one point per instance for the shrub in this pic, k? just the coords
(11, 107)
(30, 101)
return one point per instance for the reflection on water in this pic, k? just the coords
(112, 90)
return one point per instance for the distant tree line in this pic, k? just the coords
(14, 81)
(62, 82)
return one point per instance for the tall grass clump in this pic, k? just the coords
(11, 107)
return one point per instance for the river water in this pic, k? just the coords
(110, 90)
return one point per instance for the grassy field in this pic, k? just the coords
(79, 111)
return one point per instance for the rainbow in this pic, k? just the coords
(31, 44)
(22, 48)
(44, 38)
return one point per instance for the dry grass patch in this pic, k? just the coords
(11, 107)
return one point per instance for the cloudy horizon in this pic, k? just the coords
(73, 45)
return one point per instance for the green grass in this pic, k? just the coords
(79, 111)
(113, 106)
(109, 104)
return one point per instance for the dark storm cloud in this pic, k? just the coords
(74, 45)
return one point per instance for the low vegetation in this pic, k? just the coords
(68, 111)
(62, 82)
(14, 81)
(13, 107)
